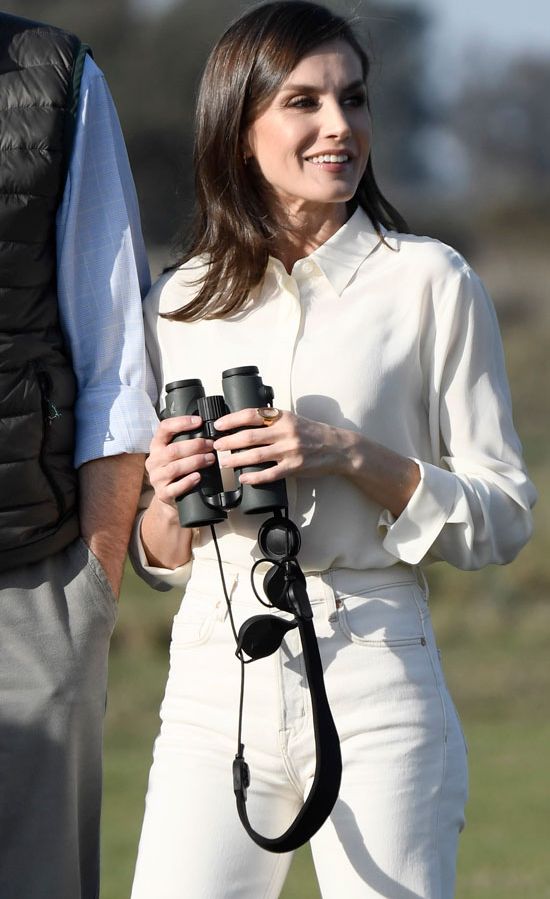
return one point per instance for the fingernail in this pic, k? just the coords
(195, 419)
(209, 457)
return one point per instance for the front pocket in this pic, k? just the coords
(100, 580)
(195, 620)
(100, 589)
(390, 616)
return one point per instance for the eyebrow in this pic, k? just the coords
(305, 88)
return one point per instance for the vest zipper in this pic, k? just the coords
(49, 413)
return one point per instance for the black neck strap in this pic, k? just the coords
(328, 763)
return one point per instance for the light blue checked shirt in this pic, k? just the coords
(103, 274)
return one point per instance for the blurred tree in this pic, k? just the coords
(101, 23)
(502, 120)
(394, 35)
(152, 57)
(167, 68)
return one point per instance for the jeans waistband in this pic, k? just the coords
(344, 582)
(328, 586)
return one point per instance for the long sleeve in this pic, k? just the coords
(102, 276)
(159, 578)
(397, 341)
(473, 508)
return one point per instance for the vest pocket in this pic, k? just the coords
(49, 414)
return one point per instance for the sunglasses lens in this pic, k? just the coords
(262, 635)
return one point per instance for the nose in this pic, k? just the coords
(335, 121)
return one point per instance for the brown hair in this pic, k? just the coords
(233, 225)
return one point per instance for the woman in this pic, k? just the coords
(398, 448)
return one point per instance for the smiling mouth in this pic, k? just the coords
(329, 158)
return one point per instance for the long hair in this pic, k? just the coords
(234, 225)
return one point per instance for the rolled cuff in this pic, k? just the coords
(410, 536)
(158, 578)
(113, 420)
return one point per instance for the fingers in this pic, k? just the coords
(174, 467)
(259, 455)
(246, 439)
(178, 477)
(257, 435)
(169, 427)
(277, 444)
(266, 476)
(161, 471)
(244, 418)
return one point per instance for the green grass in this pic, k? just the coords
(493, 628)
(137, 679)
(504, 849)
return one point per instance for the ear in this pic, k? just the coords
(246, 147)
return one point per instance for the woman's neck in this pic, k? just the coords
(304, 231)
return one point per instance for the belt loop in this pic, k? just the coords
(231, 582)
(331, 602)
(422, 581)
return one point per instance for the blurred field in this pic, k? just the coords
(493, 628)
(494, 633)
(495, 651)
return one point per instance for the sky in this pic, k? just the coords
(501, 28)
(508, 25)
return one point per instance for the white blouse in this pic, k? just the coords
(395, 338)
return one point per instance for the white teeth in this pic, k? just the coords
(329, 157)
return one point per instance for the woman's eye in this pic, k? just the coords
(302, 102)
(355, 100)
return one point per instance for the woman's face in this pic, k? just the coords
(312, 142)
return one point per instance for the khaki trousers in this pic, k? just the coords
(56, 619)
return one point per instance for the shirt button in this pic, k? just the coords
(308, 268)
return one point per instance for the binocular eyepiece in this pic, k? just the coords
(208, 502)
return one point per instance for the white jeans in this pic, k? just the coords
(394, 829)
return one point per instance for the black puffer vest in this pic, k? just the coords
(40, 69)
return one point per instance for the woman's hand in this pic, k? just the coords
(174, 468)
(300, 446)
(295, 444)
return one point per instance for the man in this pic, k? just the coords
(75, 422)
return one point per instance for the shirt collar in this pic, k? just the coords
(343, 253)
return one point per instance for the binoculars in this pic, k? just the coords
(208, 502)
(284, 586)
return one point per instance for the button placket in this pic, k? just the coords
(290, 318)
(288, 328)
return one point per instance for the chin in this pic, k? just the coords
(336, 197)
